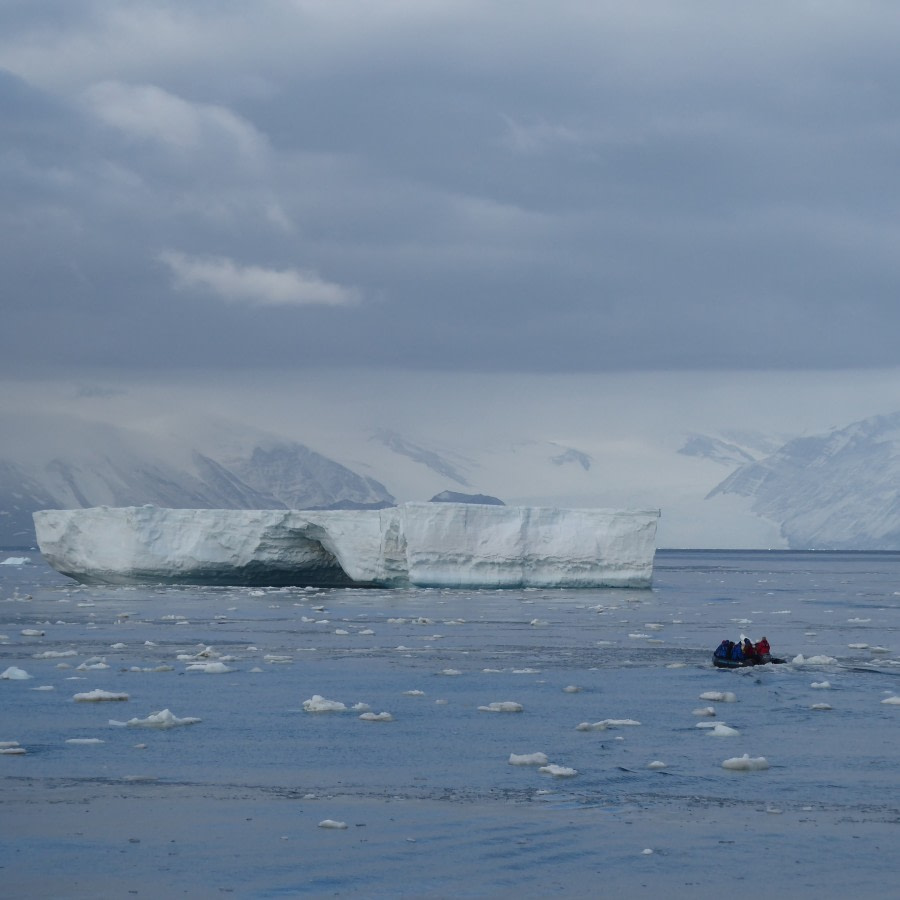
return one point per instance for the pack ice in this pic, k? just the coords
(414, 545)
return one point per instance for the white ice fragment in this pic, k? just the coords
(858, 646)
(746, 763)
(558, 771)
(891, 701)
(95, 662)
(14, 673)
(591, 726)
(118, 646)
(704, 711)
(98, 695)
(15, 561)
(209, 668)
(820, 706)
(360, 707)
(414, 693)
(656, 764)
(318, 703)
(54, 654)
(450, 672)
(801, 660)
(331, 823)
(44, 687)
(377, 717)
(571, 689)
(32, 632)
(526, 671)
(618, 723)
(162, 719)
(341, 631)
(8, 745)
(528, 759)
(859, 621)
(719, 696)
(84, 741)
(502, 706)
(369, 631)
(12, 751)
(720, 729)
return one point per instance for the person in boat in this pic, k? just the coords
(763, 650)
(737, 652)
(748, 650)
(723, 651)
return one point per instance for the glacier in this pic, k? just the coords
(451, 545)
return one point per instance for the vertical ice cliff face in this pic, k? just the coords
(418, 544)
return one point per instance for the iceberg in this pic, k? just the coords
(449, 545)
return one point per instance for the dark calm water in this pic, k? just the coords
(231, 805)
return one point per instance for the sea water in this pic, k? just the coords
(361, 743)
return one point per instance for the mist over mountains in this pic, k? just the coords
(836, 490)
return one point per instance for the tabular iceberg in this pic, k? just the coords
(414, 545)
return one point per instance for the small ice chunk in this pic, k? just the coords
(822, 660)
(591, 726)
(704, 711)
(209, 668)
(162, 719)
(528, 759)
(54, 654)
(720, 729)
(318, 703)
(32, 632)
(98, 695)
(377, 717)
(719, 696)
(820, 706)
(84, 741)
(821, 685)
(14, 673)
(572, 689)
(618, 723)
(656, 764)
(502, 706)
(44, 687)
(858, 646)
(746, 763)
(414, 693)
(12, 751)
(450, 672)
(891, 701)
(332, 823)
(558, 771)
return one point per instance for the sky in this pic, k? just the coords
(428, 207)
(457, 186)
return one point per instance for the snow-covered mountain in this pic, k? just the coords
(839, 490)
(62, 462)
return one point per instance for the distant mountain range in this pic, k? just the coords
(96, 464)
(836, 490)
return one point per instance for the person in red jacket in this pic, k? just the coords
(762, 648)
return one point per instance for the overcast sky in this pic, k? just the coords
(443, 184)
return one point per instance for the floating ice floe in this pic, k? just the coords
(719, 696)
(571, 689)
(84, 741)
(16, 561)
(450, 672)
(95, 662)
(558, 771)
(746, 763)
(891, 701)
(720, 729)
(332, 823)
(528, 759)
(209, 668)
(54, 654)
(32, 632)
(11, 748)
(14, 673)
(317, 703)
(657, 764)
(414, 693)
(821, 685)
(822, 660)
(377, 717)
(44, 687)
(704, 711)
(98, 695)
(820, 706)
(591, 726)
(858, 646)
(502, 706)
(162, 719)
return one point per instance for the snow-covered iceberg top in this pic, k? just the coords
(417, 544)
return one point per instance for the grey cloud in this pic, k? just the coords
(592, 187)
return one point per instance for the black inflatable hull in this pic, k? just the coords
(743, 663)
